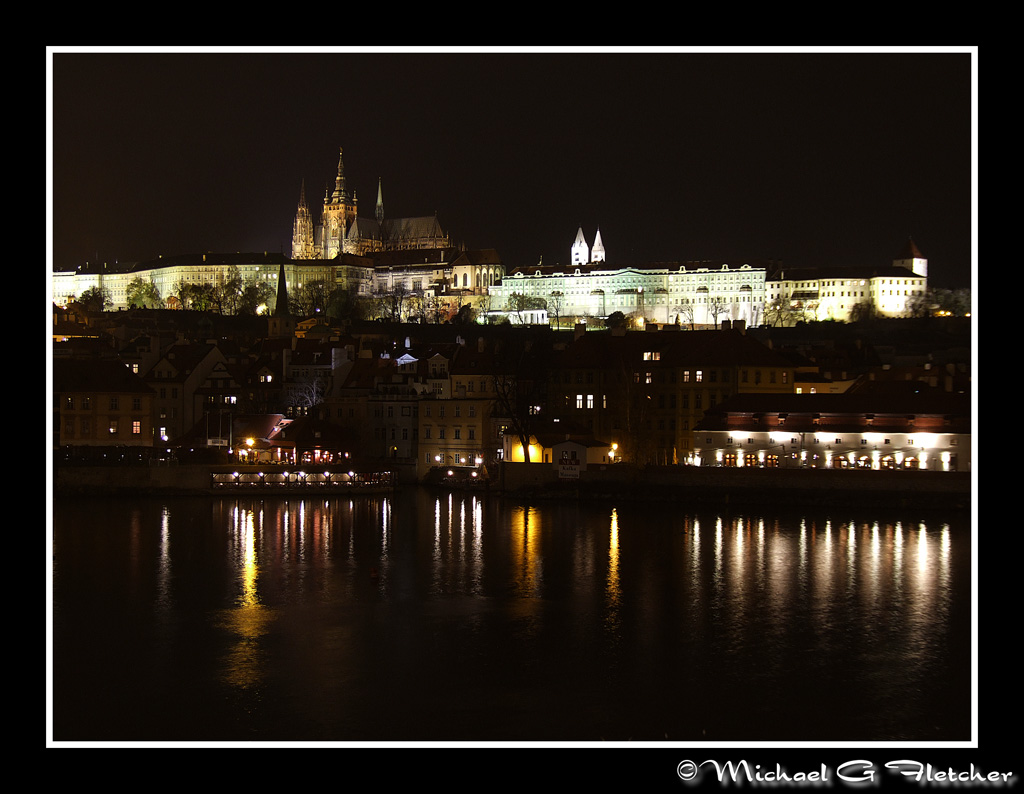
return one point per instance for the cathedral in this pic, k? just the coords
(342, 231)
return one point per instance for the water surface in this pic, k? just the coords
(426, 616)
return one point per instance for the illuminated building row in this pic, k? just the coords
(861, 429)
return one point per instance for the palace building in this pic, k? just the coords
(689, 294)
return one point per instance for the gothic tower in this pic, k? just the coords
(912, 259)
(339, 213)
(597, 252)
(303, 241)
(580, 251)
(380, 204)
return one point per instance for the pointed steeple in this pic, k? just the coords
(597, 252)
(580, 250)
(380, 202)
(281, 307)
(911, 258)
(339, 180)
(302, 233)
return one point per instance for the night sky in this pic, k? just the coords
(814, 159)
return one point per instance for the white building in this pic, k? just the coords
(848, 293)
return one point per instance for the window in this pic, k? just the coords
(136, 428)
(113, 403)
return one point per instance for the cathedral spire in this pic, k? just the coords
(380, 202)
(303, 246)
(339, 180)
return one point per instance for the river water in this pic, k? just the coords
(435, 617)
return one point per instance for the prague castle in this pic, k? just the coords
(376, 257)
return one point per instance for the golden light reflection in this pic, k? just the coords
(525, 548)
(249, 619)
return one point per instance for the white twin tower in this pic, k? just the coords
(582, 255)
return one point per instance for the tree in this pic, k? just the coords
(616, 320)
(346, 305)
(862, 311)
(256, 294)
(521, 371)
(313, 297)
(391, 303)
(717, 306)
(684, 312)
(308, 393)
(556, 302)
(520, 304)
(144, 294)
(228, 291)
(96, 299)
(940, 302)
(778, 312)
(465, 316)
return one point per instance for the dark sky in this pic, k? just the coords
(813, 159)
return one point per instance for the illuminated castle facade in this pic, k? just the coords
(342, 231)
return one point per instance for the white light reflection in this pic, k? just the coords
(165, 598)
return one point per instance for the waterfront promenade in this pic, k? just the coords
(702, 485)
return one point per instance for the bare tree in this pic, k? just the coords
(717, 306)
(684, 312)
(391, 303)
(555, 304)
(518, 384)
(308, 393)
